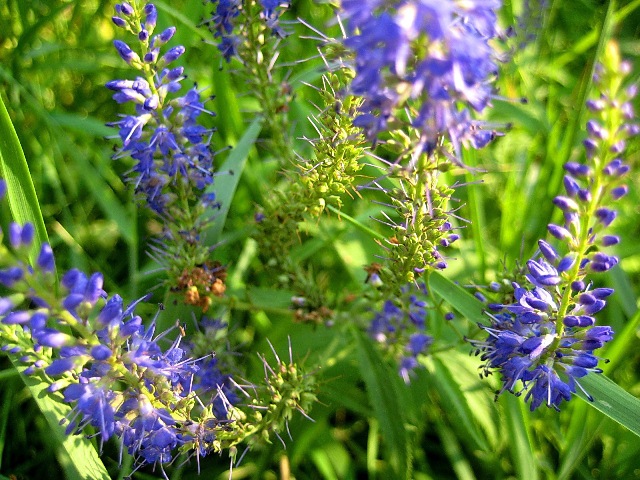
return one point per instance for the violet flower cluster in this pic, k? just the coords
(120, 377)
(399, 327)
(223, 23)
(171, 148)
(174, 155)
(433, 56)
(546, 339)
(158, 397)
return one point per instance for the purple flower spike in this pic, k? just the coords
(418, 343)
(20, 317)
(596, 130)
(101, 352)
(15, 235)
(567, 262)
(9, 276)
(111, 313)
(49, 337)
(5, 305)
(578, 321)
(172, 55)
(618, 147)
(151, 18)
(38, 321)
(548, 251)
(584, 195)
(571, 186)
(602, 292)
(578, 286)
(60, 366)
(601, 262)
(162, 38)
(124, 8)
(594, 307)
(118, 22)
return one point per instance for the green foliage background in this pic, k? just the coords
(56, 56)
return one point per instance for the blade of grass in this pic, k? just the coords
(21, 194)
(387, 404)
(456, 403)
(456, 296)
(83, 461)
(523, 451)
(612, 400)
(226, 189)
(452, 448)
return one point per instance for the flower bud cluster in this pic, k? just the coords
(250, 30)
(332, 172)
(421, 225)
(546, 338)
(312, 185)
(399, 328)
(433, 58)
(173, 151)
(225, 18)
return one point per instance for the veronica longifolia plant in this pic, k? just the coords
(545, 340)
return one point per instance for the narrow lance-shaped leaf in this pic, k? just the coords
(21, 193)
(83, 461)
(225, 185)
(387, 405)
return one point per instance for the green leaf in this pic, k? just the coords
(454, 451)
(457, 404)
(80, 459)
(612, 400)
(456, 296)
(21, 193)
(389, 407)
(226, 188)
(523, 451)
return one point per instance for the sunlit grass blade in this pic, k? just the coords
(83, 461)
(4, 417)
(624, 340)
(456, 296)
(476, 212)
(384, 395)
(21, 194)
(612, 400)
(457, 406)
(454, 451)
(225, 187)
(523, 451)
(578, 439)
